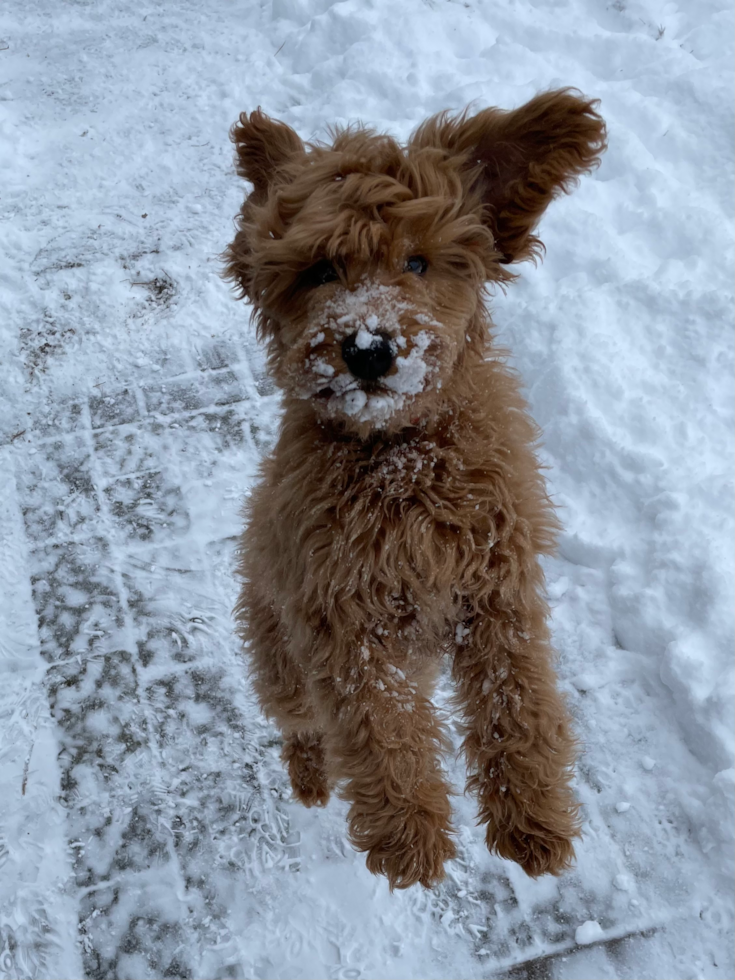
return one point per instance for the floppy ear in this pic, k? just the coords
(518, 161)
(263, 146)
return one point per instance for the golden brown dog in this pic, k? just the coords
(402, 514)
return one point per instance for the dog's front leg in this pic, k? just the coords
(279, 683)
(383, 741)
(518, 743)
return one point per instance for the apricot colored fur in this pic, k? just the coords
(372, 548)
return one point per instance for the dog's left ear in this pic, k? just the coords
(518, 161)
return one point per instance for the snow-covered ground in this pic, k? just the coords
(146, 825)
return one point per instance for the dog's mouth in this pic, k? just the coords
(369, 400)
(369, 387)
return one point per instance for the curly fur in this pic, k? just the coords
(399, 521)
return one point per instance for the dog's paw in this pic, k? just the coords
(304, 758)
(408, 846)
(539, 853)
(531, 825)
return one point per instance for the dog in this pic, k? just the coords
(402, 513)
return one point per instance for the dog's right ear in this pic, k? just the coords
(263, 146)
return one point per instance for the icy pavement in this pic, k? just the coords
(146, 825)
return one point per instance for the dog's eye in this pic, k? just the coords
(416, 264)
(321, 273)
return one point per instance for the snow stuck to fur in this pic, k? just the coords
(371, 310)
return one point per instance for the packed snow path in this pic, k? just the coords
(146, 825)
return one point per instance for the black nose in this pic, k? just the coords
(368, 363)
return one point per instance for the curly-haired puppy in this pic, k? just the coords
(402, 514)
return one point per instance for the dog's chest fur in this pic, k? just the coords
(404, 527)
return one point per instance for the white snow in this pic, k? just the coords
(365, 337)
(461, 632)
(146, 825)
(320, 366)
(622, 883)
(589, 932)
(412, 370)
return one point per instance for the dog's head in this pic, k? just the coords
(365, 260)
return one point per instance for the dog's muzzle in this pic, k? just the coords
(371, 362)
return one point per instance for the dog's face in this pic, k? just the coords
(365, 260)
(368, 286)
